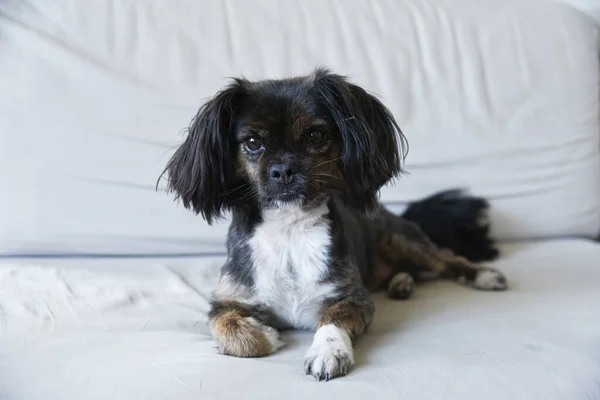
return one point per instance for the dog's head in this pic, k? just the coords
(295, 140)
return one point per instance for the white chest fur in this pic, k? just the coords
(290, 254)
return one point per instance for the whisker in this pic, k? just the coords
(323, 175)
(235, 189)
(326, 162)
(247, 196)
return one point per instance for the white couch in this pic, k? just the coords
(104, 281)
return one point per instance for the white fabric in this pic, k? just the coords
(497, 96)
(590, 7)
(136, 329)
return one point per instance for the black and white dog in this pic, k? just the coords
(299, 163)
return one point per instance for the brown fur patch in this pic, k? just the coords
(400, 286)
(402, 254)
(238, 336)
(381, 274)
(398, 249)
(347, 316)
(245, 169)
(300, 124)
(326, 170)
(460, 267)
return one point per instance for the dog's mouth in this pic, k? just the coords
(285, 197)
(288, 197)
(289, 193)
(299, 195)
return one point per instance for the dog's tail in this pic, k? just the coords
(455, 221)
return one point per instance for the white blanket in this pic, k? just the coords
(136, 329)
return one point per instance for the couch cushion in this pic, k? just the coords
(497, 96)
(136, 329)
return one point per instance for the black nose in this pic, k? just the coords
(283, 173)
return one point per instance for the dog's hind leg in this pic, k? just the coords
(413, 253)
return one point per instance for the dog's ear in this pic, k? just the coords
(373, 144)
(202, 170)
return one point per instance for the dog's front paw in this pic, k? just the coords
(489, 279)
(330, 355)
(401, 286)
(244, 337)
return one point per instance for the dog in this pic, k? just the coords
(298, 163)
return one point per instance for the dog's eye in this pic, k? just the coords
(253, 144)
(316, 138)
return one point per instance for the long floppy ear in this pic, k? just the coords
(201, 172)
(373, 144)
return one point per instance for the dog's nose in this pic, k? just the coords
(283, 173)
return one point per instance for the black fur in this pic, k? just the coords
(200, 172)
(370, 135)
(239, 261)
(455, 221)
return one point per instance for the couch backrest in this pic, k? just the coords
(590, 7)
(497, 96)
